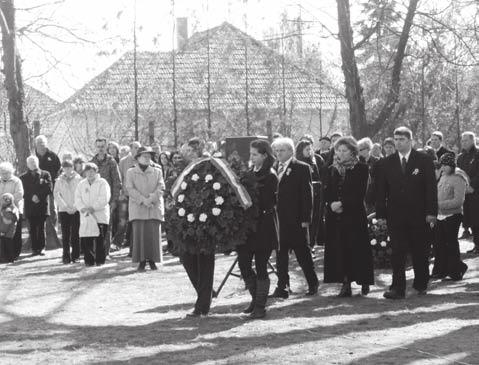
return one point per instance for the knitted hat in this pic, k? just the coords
(448, 159)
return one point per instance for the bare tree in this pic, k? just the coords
(14, 84)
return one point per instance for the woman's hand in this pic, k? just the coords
(337, 207)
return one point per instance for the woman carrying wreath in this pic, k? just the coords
(264, 240)
(348, 255)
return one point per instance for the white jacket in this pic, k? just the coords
(64, 191)
(95, 195)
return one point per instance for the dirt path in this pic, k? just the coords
(57, 314)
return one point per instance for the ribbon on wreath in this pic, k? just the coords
(231, 178)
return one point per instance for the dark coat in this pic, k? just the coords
(441, 151)
(295, 204)
(370, 198)
(51, 163)
(37, 183)
(266, 237)
(405, 199)
(347, 250)
(469, 162)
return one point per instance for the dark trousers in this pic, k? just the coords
(200, 269)
(314, 229)
(245, 263)
(70, 224)
(413, 240)
(17, 239)
(447, 257)
(6, 249)
(305, 261)
(93, 247)
(475, 235)
(37, 233)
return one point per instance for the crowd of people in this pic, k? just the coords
(306, 197)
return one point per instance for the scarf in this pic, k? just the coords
(143, 167)
(343, 166)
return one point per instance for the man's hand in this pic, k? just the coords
(305, 224)
(35, 199)
(431, 220)
(337, 207)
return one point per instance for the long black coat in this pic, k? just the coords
(347, 251)
(266, 237)
(295, 204)
(469, 162)
(37, 183)
(405, 199)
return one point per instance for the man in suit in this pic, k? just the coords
(37, 185)
(295, 205)
(407, 202)
(436, 143)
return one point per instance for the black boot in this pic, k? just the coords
(142, 266)
(262, 290)
(251, 286)
(345, 291)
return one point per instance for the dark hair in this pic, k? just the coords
(308, 137)
(404, 132)
(263, 147)
(390, 141)
(100, 139)
(438, 134)
(350, 142)
(300, 147)
(277, 135)
(336, 134)
(78, 160)
(90, 166)
(197, 144)
(67, 163)
(325, 138)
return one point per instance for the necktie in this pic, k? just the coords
(403, 165)
(280, 169)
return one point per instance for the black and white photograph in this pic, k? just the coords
(239, 182)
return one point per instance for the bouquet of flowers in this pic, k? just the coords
(212, 211)
(380, 242)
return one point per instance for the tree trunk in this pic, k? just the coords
(353, 88)
(354, 91)
(14, 85)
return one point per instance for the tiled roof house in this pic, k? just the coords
(278, 90)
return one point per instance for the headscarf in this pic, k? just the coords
(343, 166)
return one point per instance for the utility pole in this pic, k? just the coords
(135, 77)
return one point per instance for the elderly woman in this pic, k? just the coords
(37, 185)
(145, 186)
(365, 146)
(451, 193)
(64, 194)
(91, 199)
(265, 239)
(12, 185)
(124, 151)
(348, 255)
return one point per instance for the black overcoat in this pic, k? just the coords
(37, 183)
(469, 162)
(348, 250)
(405, 199)
(295, 204)
(266, 237)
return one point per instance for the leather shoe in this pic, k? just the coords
(421, 292)
(393, 294)
(153, 265)
(312, 290)
(280, 293)
(345, 291)
(364, 290)
(141, 266)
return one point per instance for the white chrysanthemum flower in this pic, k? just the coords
(216, 186)
(216, 211)
(195, 177)
(375, 221)
(208, 177)
(383, 244)
(203, 217)
(219, 200)
(181, 212)
(183, 185)
(181, 198)
(190, 217)
(374, 242)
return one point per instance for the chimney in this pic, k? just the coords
(181, 32)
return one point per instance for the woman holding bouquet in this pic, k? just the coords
(265, 239)
(348, 255)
